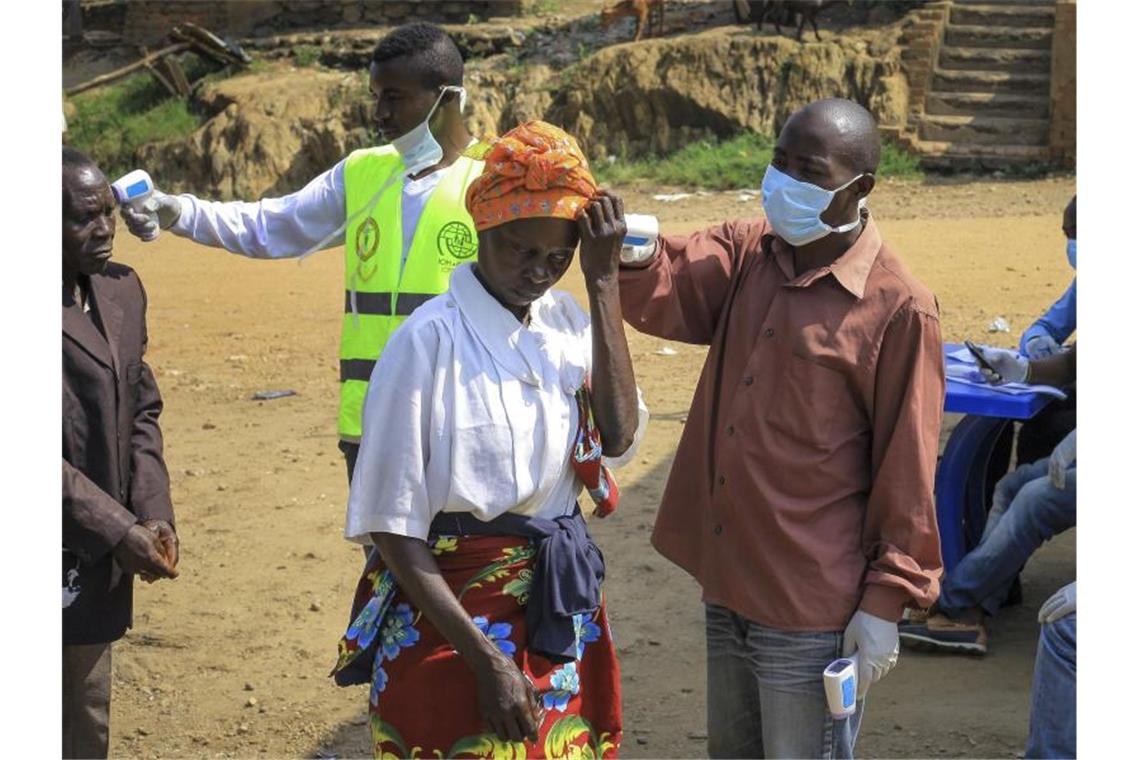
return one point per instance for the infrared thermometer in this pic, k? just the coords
(641, 231)
(840, 684)
(134, 189)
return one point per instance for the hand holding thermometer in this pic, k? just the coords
(840, 685)
(134, 189)
(641, 231)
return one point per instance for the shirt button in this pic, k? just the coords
(769, 333)
(748, 381)
(720, 480)
(718, 530)
(731, 430)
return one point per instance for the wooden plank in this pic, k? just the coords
(172, 69)
(162, 80)
(112, 76)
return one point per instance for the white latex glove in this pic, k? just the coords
(1040, 346)
(1063, 602)
(876, 641)
(158, 213)
(1063, 455)
(1011, 366)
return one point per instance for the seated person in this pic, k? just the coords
(1045, 337)
(1030, 505)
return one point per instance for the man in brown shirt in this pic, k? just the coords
(801, 497)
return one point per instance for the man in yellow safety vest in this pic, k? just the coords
(399, 209)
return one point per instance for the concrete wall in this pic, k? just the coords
(1063, 86)
(148, 21)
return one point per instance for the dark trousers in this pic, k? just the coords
(350, 451)
(86, 699)
(1040, 435)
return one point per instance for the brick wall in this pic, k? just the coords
(922, 42)
(1063, 86)
(148, 21)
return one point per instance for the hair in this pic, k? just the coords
(76, 159)
(73, 162)
(431, 49)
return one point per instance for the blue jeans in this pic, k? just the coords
(1027, 511)
(765, 691)
(1053, 701)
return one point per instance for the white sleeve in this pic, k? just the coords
(389, 492)
(272, 228)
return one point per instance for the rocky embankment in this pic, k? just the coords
(270, 131)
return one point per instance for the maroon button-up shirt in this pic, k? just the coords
(803, 483)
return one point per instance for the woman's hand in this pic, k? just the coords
(602, 228)
(507, 700)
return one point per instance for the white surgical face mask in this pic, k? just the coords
(1071, 252)
(793, 207)
(418, 146)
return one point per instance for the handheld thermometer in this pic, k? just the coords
(134, 189)
(641, 231)
(840, 682)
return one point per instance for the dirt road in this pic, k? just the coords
(231, 659)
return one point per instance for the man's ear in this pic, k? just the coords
(457, 95)
(864, 185)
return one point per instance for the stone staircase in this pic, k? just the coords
(986, 105)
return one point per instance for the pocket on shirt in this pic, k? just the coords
(483, 465)
(806, 400)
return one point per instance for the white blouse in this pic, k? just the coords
(469, 411)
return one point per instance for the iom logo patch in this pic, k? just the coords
(367, 239)
(456, 239)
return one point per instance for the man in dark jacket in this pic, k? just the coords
(117, 516)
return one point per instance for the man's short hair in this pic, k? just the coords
(75, 159)
(434, 53)
(73, 162)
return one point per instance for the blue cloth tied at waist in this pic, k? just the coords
(566, 579)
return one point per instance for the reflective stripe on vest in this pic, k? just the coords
(385, 296)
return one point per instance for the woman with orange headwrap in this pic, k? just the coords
(479, 619)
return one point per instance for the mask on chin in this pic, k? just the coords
(418, 147)
(793, 207)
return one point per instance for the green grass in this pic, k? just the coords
(112, 122)
(306, 55)
(728, 165)
(543, 7)
(896, 162)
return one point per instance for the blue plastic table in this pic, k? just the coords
(960, 482)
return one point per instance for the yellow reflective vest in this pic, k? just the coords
(382, 294)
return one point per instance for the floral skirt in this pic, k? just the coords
(422, 702)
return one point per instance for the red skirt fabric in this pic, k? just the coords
(422, 702)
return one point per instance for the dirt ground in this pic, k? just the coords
(231, 659)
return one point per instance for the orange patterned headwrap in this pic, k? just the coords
(534, 170)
